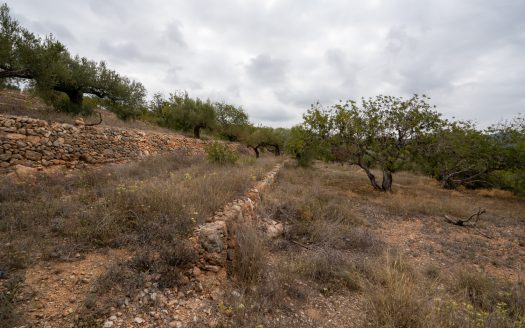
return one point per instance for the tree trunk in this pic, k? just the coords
(256, 150)
(277, 150)
(197, 131)
(371, 177)
(386, 185)
(76, 97)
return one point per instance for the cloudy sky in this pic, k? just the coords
(276, 57)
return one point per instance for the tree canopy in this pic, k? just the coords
(52, 70)
(382, 131)
(181, 112)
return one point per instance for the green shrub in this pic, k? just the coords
(220, 153)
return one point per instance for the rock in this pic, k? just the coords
(196, 271)
(79, 121)
(184, 280)
(212, 268)
(33, 139)
(87, 158)
(211, 236)
(33, 155)
(274, 230)
(15, 136)
(108, 324)
(22, 171)
(176, 324)
(138, 320)
(108, 152)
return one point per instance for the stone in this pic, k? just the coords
(211, 236)
(33, 139)
(15, 136)
(33, 155)
(274, 230)
(212, 268)
(5, 157)
(22, 171)
(108, 324)
(108, 152)
(138, 320)
(196, 271)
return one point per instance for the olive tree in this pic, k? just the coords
(258, 138)
(181, 112)
(231, 121)
(50, 69)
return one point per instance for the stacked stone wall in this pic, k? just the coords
(38, 143)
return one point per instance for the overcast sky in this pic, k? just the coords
(275, 58)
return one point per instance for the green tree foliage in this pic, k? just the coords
(383, 131)
(53, 72)
(258, 138)
(302, 145)
(181, 112)
(459, 154)
(232, 121)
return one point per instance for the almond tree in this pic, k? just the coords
(382, 132)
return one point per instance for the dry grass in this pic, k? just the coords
(416, 195)
(147, 207)
(250, 254)
(135, 204)
(332, 211)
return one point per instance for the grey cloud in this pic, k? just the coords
(278, 57)
(174, 34)
(275, 115)
(128, 51)
(266, 69)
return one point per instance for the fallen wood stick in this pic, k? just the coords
(461, 223)
(298, 243)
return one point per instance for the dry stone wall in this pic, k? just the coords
(215, 240)
(38, 143)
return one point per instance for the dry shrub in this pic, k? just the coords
(394, 298)
(492, 296)
(250, 254)
(329, 268)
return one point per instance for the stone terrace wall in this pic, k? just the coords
(215, 240)
(38, 143)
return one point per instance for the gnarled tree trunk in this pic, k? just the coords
(76, 97)
(371, 177)
(197, 131)
(386, 185)
(256, 150)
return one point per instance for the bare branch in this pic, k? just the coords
(461, 223)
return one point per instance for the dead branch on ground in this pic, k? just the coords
(461, 223)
